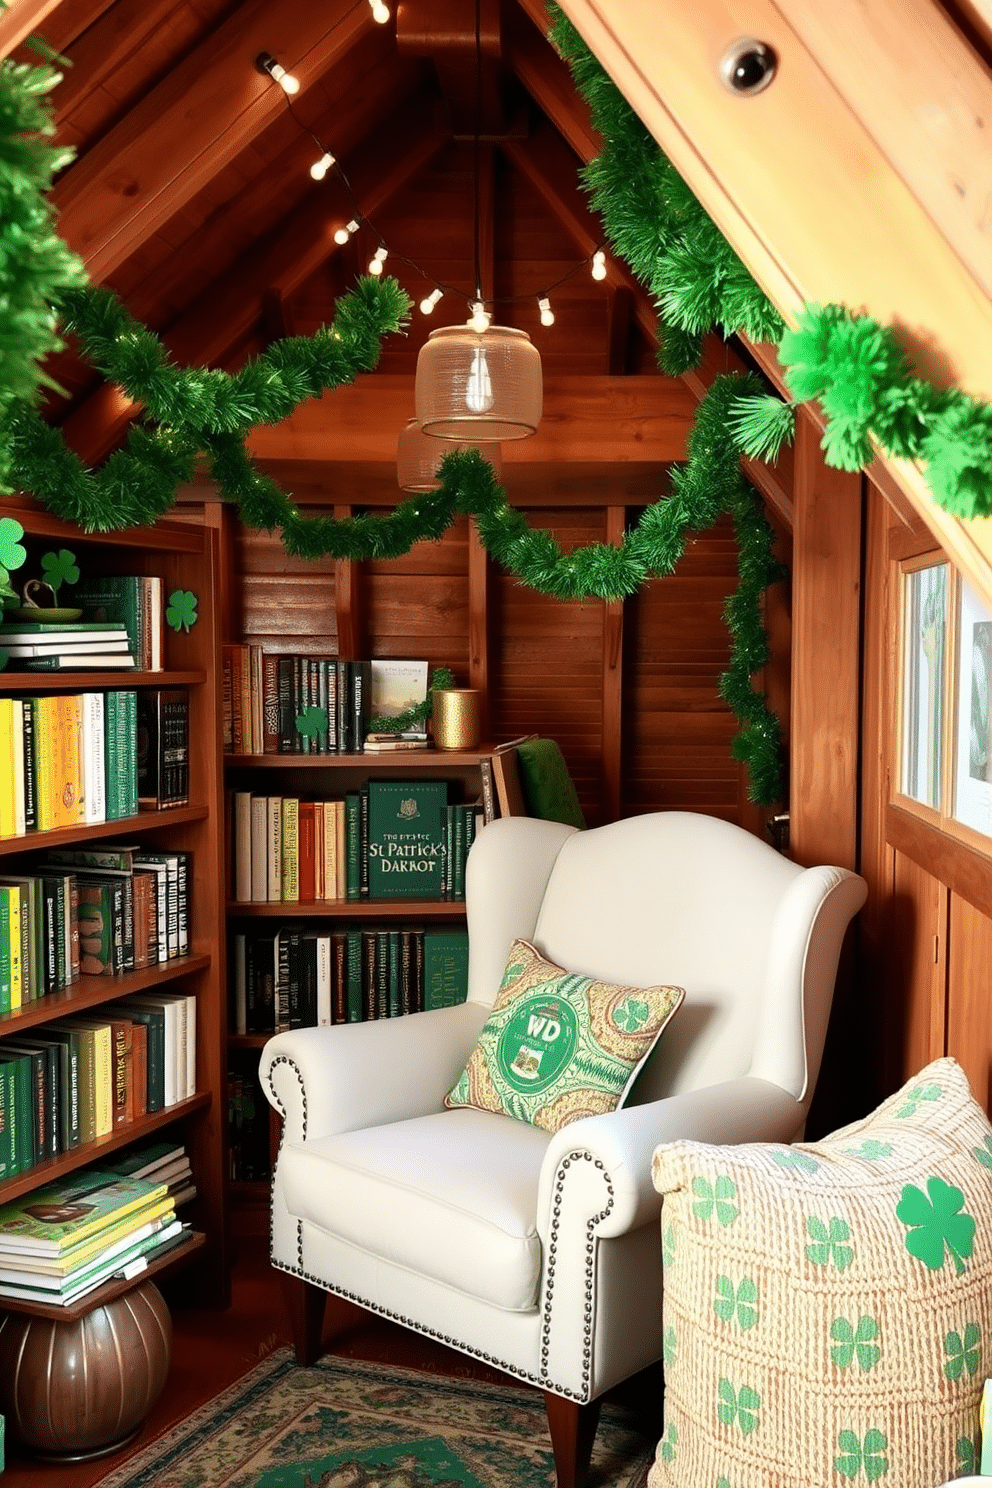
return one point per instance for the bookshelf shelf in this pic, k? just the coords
(402, 762)
(183, 557)
(111, 1290)
(92, 1152)
(127, 826)
(359, 909)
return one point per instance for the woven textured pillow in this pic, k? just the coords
(828, 1306)
(557, 1046)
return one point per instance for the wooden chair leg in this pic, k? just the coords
(305, 1304)
(573, 1430)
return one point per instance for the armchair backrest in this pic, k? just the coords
(674, 897)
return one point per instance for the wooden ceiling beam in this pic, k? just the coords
(193, 123)
(224, 313)
(551, 167)
(548, 81)
(69, 19)
(104, 46)
(444, 31)
(20, 20)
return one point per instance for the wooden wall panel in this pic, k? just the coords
(969, 995)
(916, 938)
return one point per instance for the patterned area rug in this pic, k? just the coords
(348, 1424)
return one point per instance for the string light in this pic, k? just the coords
(320, 168)
(375, 267)
(344, 233)
(265, 62)
(599, 264)
(480, 318)
(380, 11)
(427, 305)
(547, 314)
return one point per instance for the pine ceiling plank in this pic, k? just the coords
(549, 165)
(20, 19)
(105, 47)
(70, 18)
(547, 79)
(206, 110)
(796, 182)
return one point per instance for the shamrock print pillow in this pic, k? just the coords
(828, 1306)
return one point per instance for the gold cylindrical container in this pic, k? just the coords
(457, 717)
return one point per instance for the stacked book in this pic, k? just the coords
(89, 645)
(64, 1240)
(159, 1162)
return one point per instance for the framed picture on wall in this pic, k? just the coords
(925, 615)
(973, 732)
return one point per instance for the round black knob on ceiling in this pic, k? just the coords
(748, 66)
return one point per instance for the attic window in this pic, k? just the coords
(945, 726)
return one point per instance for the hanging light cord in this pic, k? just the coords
(477, 150)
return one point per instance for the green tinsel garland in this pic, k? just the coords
(35, 264)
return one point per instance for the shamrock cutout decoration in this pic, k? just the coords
(855, 1343)
(857, 1456)
(7, 591)
(715, 1199)
(827, 1244)
(741, 1302)
(12, 551)
(631, 1015)
(741, 1406)
(963, 1353)
(935, 1220)
(798, 1161)
(312, 722)
(870, 1149)
(984, 1154)
(181, 613)
(967, 1456)
(59, 568)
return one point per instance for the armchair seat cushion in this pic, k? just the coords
(452, 1196)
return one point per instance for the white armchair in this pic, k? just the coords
(540, 1253)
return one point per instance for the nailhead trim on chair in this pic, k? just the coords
(541, 1379)
(284, 1059)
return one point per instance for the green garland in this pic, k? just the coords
(35, 264)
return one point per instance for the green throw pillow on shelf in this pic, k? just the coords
(828, 1306)
(557, 1046)
(547, 786)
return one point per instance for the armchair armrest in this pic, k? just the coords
(617, 1149)
(353, 1075)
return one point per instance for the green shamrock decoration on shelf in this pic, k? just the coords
(181, 613)
(12, 554)
(312, 722)
(935, 1220)
(963, 1353)
(828, 1244)
(740, 1302)
(857, 1456)
(741, 1406)
(59, 568)
(715, 1198)
(855, 1343)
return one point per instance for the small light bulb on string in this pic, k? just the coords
(547, 314)
(375, 267)
(320, 168)
(427, 304)
(599, 264)
(480, 318)
(265, 62)
(344, 233)
(380, 11)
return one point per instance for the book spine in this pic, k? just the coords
(227, 709)
(184, 874)
(290, 850)
(287, 718)
(330, 672)
(306, 851)
(30, 779)
(258, 856)
(92, 751)
(361, 702)
(343, 710)
(339, 977)
(353, 845)
(363, 841)
(6, 948)
(355, 999)
(324, 1011)
(257, 726)
(273, 847)
(242, 847)
(270, 703)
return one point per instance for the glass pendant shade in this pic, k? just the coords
(418, 456)
(478, 387)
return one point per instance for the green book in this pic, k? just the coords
(394, 999)
(6, 1152)
(63, 1214)
(407, 838)
(445, 967)
(22, 1120)
(113, 599)
(69, 1127)
(353, 844)
(354, 1003)
(6, 950)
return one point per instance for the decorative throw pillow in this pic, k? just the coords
(557, 1046)
(828, 1306)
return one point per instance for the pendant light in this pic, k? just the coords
(418, 456)
(478, 383)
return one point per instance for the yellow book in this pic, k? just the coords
(8, 805)
(155, 1208)
(67, 779)
(290, 849)
(331, 849)
(44, 760)
(16, 974)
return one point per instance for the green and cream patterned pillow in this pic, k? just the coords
(557, 1046)
(828, 1306)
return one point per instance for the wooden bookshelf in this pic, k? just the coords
(187, 558)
